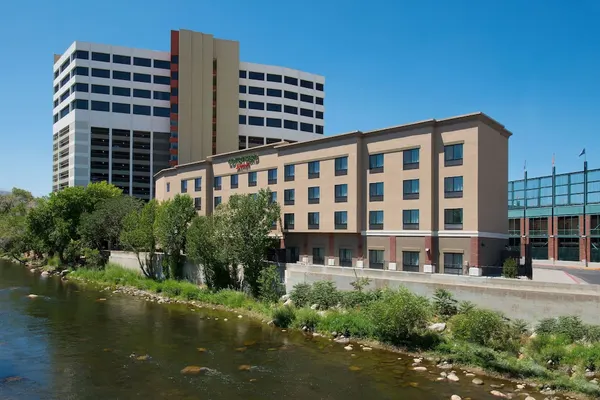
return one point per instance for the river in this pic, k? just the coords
(69, 344)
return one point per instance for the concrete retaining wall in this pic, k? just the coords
(523, 299)
(128, 260)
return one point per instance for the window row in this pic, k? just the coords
(453, 219)
(278, 123)
(453, 155)
(453, 262)
(121, 108)
(258, 105)
(453, 188)
(410, 259)
(261, 76)
(340, 220)
(278, 93)
(118, 59)
(116, 91)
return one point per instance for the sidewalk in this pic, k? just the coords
(555, 276)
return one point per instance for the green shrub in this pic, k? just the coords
(444, 303)
(325, 294)
(465, 306)
(93, 258)
(510, 268)
(53, 261)
(482, 327)
(230, 298)
(569, 326)
(546, 326)
(73, 252)
(399, 316)
(301, 294)
(171, 287)
(270, 287)
(592, 333)
(354, 299)
(190, 291)
(519, 326)
(305, 317)
(283, 316)
(360, 283)
(355, 323)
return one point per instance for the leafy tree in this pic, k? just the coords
(14, 236)
(172, 221)
(138, 235)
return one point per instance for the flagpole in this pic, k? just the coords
(552, 238)
(585, 180)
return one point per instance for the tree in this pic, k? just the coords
(14, 236)
(138, 236)
(172, 221)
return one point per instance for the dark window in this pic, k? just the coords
(234, 181)
(242, 89)
(141, 110)
(121, 91)
(340, 219)
(272, 176)
(56, 103)
(318, 255)
(55, 118)
(100, 57)
(142, 93)
(242, 104)
(410, 261)
(274, 122)
(255, 105)
(175, 75)
(142, 62)
(453, 154)
(80, 87)
(273, 107)
(101, 89)
(257, 76)
(304, 127)
(64, 112)
(161, 80)
(272, 140)
(174, 108)
(162, 64)
(453, 187)
(290, 109)
(345, 256)
(81, 54)
(289, 172)
(274, 92)
(121, 108)
(306, 98)
(376, 259)
(252, 178)
(313, 220)
(217, 201)
(319, 100)
(376, 220)
(273, 199)
(161, 112)
(100, 73)
(242, 74)
(121, 75)
(168, 187)
(410, 219)
(288, 221)
(174, 91)
(411, 159)
(64, 80)
(291, 81)
(137, 77)
(217, 183)
(256, 121)
(274, 78)
(306, 84)
(118, 59)
(198, 184)
(289, 197)
(183, 186)
(80, 104)
(314, 167)
(256, 90)
(411, 189)
(83, 71)
(162, 95)
(198, 203)
(453, 218)
(254, 141)
(242, 120)
(375, 163)
(306, 112)
(376, 191)
(314, 195)
(319, 129)
(64, 96)
(290, 125)
(319, 114)
(341, 166)
(290, 95)
(100, 105)
(56, 88)
(341, 193)
(453, 263)
(320, 86)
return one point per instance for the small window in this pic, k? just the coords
(290, 109)
(376, 191)
(81, 55)
(161, 112)
(161, 80)
(242, 103)
(217, 201)
(256, 105)
(410, 261)
(234, 181)
(81, 87)
(304, 127)
(83, 71)
(314, 195)
(274, 122)
(313, 220)
(162, 64)
(319, 100)
(162, 95)
(319, 129)
(293, 125)
(198, 203)
(341, 193)
(314, 168)
(141, 110)
(376, 220)
(376, 259)
(256, 121)
(118, 59)
(306, 112)
(80, 104)
(274, 78)
(340, 219)
(121, 91)
(174, 108)
(257, 76)
(184, 186)
(217, 183)
(341, 166)
(274, 92)
(254, 141)
(64, 80)
(100, 73)
(273, 107)
(411, 159)
(306, 84)
(168, 187)
(142, 62)
(242, 120)
(453, 155)
(175, 75)
(142, 93)
(345, 256)
(121, 75)
(100, 105)
(273, 199)
(290, 95)
(411, 189)
(289, 172)
(320, 86)
(291, 81)
(376, 163)
(289, 197)
(288, 221)
(256, 90)
(318, 255)
(410, 219)
(121, 108)
(453, 187)
(252, 178)
(453, 263)
(319, 114)
(453, 218)
(104, 57)
(243, 74)
(272, 140)
(272, 176)
(137, 77)
(198, 184)
(306, 98)
(242, 89)
(101, 89)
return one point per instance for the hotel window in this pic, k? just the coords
(376, 259)
(257, 76)
(168, 187)
(273, 107)
(345, 256)
(318, 254)
(313, 169)
(273, 198)
(341, 193)
(274, 78)
(291, 81)
(314, 194)
(198, 203)
(453, 263)
(410, 261)
(341, 219)
(272, 176)
(290, 109)
(234, 180)
(198, 184)
(320, 86)
(341, 166)
(376, 191)
(289, 197)
(242, 89)
(256, 90)
(453, 218)
(453, 187)
(183, 186)
(411, 159)
(313, 220)
(252, 178)
(411, 189)
(217, 201)
(376, 163)
(288, 221)
(376, 220)
(290, 95)
(217, 183)
(256, 105)
(453, 154)
(289, 172)
(410, 219)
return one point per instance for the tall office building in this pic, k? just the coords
(123, 114)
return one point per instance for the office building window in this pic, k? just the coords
(411, 159)
(162, 64)
(141, 110)
(161, 111)
(100, 73)
(121, 108)
(376, 220)
(162, 95)
(274, 78)
(255, 105)
(217, 201)
(242, 120)
(341, 193)
(142, 62)
(304, 127)
(289, 172)
(234, 180)
(376, 259)
(257, 76)
(80, 87)
(243, 74)
(274, 122)
(274, 92)
(320, 87)
(289, 197)
(376, 191)
(256, 90)
(80, 104)
(306, 98)
(341, 166)
(375, 163)
(273, 199)
(243, 89)
(319, 114)
(256, 121)
(183, 186)
(345, 256)
(104, 57)
(306, 84)
(121, 75)
(100, 106)
(319, 129)
(217, 183)
(137, 77)
(318, 255)
(291, 81)
(290, 109)
(83, 71)
(252, 178)
(306, 112)
(453, 218)
(288, 221)
(314, 194)
(313, 220)
(319, 100)
(313, 169)
(410, 261)
(453, 187)
(272, 176)
(290, 95)
(242, 103)
(161, 80)
(198, 203)
(198, 184)
(453, 263)
(411, 189)
(81, 55)
(121, 91)
(273, 107)
(453, 154)
(119, 59)
(142, 93)
(410, 219)
(340, 219)
(293, 125)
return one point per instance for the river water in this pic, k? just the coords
(68, 344)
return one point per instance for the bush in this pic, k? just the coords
(73, 252)
(171, 287)
(465, 306)
(444, 303)
(398, 316)
(592, 333)
(270, 287)
(586, 357)
(283, 316)
(93, 258)
(301, 294)
(482, 327)
(570, 327)
(354, 299)
(305, 317)
(355, 323)
(325, 294)
(548, 348)
(53, 261)
(510, 268)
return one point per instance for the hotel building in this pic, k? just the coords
(123, 114)
(428, 196)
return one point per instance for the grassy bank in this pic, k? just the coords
(563, 353)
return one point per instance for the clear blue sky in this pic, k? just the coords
(532, 65)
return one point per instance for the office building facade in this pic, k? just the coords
(123, 114)
(428, 196)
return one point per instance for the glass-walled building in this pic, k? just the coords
(558, 216)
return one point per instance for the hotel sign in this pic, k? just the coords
(243, 162)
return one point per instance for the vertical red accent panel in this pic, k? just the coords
(429, 255)
(174, 99)
(551, 239)
(331, 245)
(393, 249)
(359, 245)
(475, 249)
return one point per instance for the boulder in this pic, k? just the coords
(455, 397)
(437, 327)
(342, 340)
(45, 274)
(477, 381)
(349, 348)
(452, 377)
(529, 398)
(498, 394)
(367, 348)
(288, 303)
(420, 369)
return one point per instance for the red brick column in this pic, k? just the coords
(583, 237)
(431, 255)
(282, 243)
(359, 245)
(475, 249)
(393, 249)
(331, 245)
(551, 239)
(305, 245)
